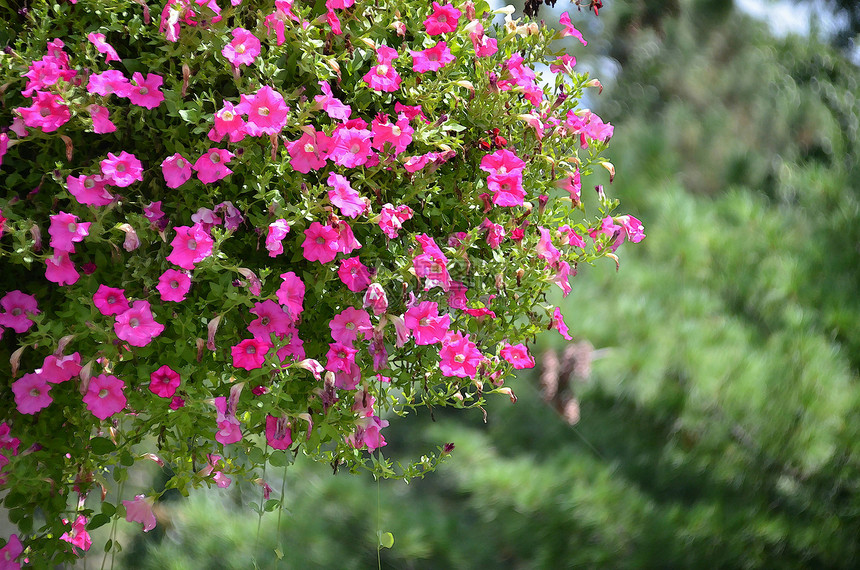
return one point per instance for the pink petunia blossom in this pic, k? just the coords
(344, 196)
(243, 49)
(346, 325)
(562, 278)
(109, 82)
(321, 243)
(391, 219)
(140, 510)
(502, 162)
(354, 274)
(146, 92)
(382, 76)
(333, 106)
(59, 369)
(376, 299)
(48, 112)
(398, 135)
(10, 553)
(4, 146)
(559, 324)
(569, 30)
(102, 46)
(278, 432)
(173, 285)
(266, 110)
(495, 233)
(101, 120)
(136, 325)
(350, 147)
(176, 170)
(346, 242)
(545, 249)
(572, 184)
(518, 355)
(309, 152)
(122, 170)
(32, 393)
(340, 357)
(60, 269)
(250, 353)
(105, 396)
(272, 318)
(633, 228)
(443, 19)
(89, 190)
(507, 189)
(18, 308)
(367, 433)
(484, 45)
(291, 293)
(78, 535)
(164, 382)
(563, 64)
(65, 231)
(431, 59)
(426, 324)
(278, 230)
(228, 121)
(570, 237)
(191, 245)
(459, 356)
(212, 165)
(110, 301)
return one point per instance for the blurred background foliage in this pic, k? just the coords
(719, 424)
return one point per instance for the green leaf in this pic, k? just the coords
(108, 509)
(101, 445)
(100, 519)
(278, 459)
(386, 540)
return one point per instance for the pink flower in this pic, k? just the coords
(228, 121)
(431, 59)
(495, 233)
(140, 510)
(502, 162)
(122, 170)
(65, 231)
(398, 135)
(572, 184)
(60, 269)
(545, 249)
(383, 77)
(518, 355)
(173, 285)
(321, 243)
(570, 237)
(212, 165)
(136, 325)
(559, 324)
(176, 170)
(459, 356)
(244, 48)
(31, 393)
(10, 552)
(354, 274)
(191, 245)
(426, 324)
(78, 535)
(164, 382)
(278, 230)
(177, 402)
(340, 357)
(109, 82)
(564, 64)
(569, 30)
(367, 433)
(272, 318)
(484, 45)
(250, 353)
(89, 190)
(442, 20)
(562, 278)
(346, 242)
(391, 219)
(278, 432)
(309, 152)
(346, 325)
(633, 228)
(344, 197)
(102, 46)
(105, 396)
(266, 110)
(59, 369)
(375, 298)
(146, 92)
(4, 146)
(48, 112)
(350, 147)
(18, 306)
(101, 119)
(291, 293)
(110, 301)
(507, 189)
(333, 106)
(338, 4)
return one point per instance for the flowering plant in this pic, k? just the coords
(268, 226)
